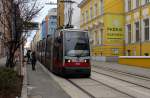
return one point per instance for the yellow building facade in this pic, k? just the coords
(60, 14)
(105, 21)
(137, 23)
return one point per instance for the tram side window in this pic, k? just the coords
(61, 48)
(48, 48)
(58, 48)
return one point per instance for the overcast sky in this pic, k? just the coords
(41, 15)
(44, 11)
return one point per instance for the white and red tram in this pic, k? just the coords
(67, 52)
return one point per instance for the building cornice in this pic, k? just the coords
(138, 8)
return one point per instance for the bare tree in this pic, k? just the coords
(15, 16)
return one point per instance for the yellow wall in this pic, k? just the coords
(114, 6)
(137, 48)
(111, 21)
(139, 62)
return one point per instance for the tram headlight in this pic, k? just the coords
(86, 60)
(68, 60)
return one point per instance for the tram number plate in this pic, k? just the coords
(77, 63)
(76, 60)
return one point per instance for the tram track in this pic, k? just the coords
(122, 80)
(113, 88)
(139, 87)
(123, 73)
(90, 95)
(101, 83)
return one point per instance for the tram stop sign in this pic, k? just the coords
(31, 25)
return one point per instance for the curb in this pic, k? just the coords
(24, 87)
(70, 89)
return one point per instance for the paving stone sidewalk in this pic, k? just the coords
(41, 85)
(125, 68)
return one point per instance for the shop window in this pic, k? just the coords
(115, 51)
(129, 52)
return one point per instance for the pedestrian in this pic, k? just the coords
(28, 56)
(33, 60)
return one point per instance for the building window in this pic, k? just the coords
(146, 29)
(95, 10)
(137, 31)
(101, 36)
(101, 6)
(129, 5)
(82, 17)
(129, 32)
(115, 51)
(128, 52)
(87, 15)
(137, 3)
(91, 9)
(96, 38)
(146, 1)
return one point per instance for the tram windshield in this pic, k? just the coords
(77, 44)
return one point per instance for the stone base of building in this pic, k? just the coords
(105, 58)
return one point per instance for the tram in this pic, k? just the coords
(66, 52)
